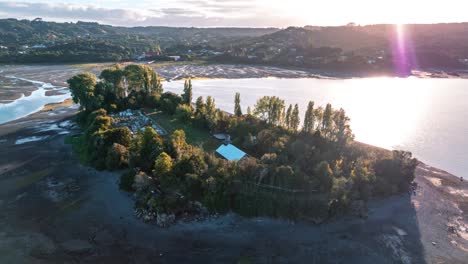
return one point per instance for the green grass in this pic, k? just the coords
(195, 136)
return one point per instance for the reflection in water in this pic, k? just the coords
(425, 116)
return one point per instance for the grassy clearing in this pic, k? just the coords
(32, 178)
(195, 136)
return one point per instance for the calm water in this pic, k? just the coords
(30, 104)
(428, 117)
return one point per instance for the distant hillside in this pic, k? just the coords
(23, 32)
(440, 46)
(363, 48)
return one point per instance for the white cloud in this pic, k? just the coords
(251, 13)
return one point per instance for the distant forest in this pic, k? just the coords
(373, 47)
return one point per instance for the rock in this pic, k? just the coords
(434, 243)
(452, 229)
(77, 246)
(165, 220)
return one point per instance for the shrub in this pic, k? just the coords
(120, 135)
(154, 101)
(141, 181)
(184, 113)
(169, 102)
(117, 157)
(324, 175)
(126, 181)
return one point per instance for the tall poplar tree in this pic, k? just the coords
(288, 117)
(327, 120)
(295, 120)
(187, 96)
(237, 106)
(309, 118)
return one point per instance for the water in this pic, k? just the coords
(425, 116)
(27, 105)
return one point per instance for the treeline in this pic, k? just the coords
(313, 171)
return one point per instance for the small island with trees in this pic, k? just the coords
(309, 171)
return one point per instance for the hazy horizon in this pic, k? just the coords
(239, 13)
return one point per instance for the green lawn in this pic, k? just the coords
(195, 136)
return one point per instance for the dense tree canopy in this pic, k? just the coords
(316, 171)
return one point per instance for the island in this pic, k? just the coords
(185, 158)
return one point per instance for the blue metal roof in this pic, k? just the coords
(230, 152)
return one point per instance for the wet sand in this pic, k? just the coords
(54, 210)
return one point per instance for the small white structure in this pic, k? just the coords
(39, 46)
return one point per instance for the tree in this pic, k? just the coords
(120, 135)
(397, 173)
(237, 106)
(142, 78)
(327, 120)
(324, 175)
(295, 120)
(149, 146)
(249, 111)
(82, 88)
(288, 117)
(187, 95)
(114, 75)
(318, 115)
(199, 106)
(342, 131)
(362, 178)
(184, 112)
(162, 165)
(117, 157)
(177, 143)
(169, 102)
(309, 118)
(270, 109)
(210, 106)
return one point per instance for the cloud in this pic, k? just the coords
(201, 13)
(73, 12)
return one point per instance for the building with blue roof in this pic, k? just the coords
(230, 152)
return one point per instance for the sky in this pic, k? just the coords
(239, 13)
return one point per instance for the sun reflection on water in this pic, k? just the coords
(390, 103)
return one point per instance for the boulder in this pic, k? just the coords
(165, 220)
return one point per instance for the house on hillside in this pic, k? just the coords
(175, 58)
(230, 152)
(39, 46)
